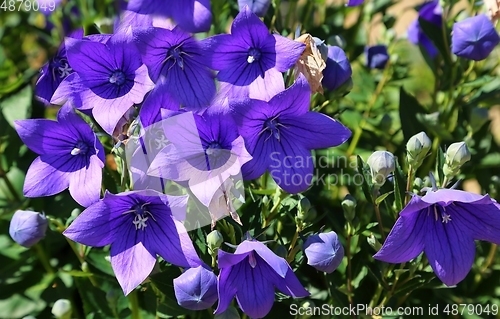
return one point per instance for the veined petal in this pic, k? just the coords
(255, 295)
(450, 249)
(85, 184)
(227, 260)
(131, 262)
(225, 51)
(278, 264)
(250, 29)
(315, 130)
(45, 136)
(407, 237)
(95, 226)
(48, 176)
(292, 166)
(92, 61)
(264, 88)
(446, 196)
(227, 284)
(192, 16)
(287, 53)
(293, 101)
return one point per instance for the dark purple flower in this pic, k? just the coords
(250, 59)
(324, 251)
(196, 288)
(54, 72)
(191, 15)
(444, 224)
(252, 274)
(376, 56)
(353, 3)
(27, 228)
(70, 156)
(431, 12)
(474, 38)
(156, 100)
(259, 7)
(138, 225)
(109, 78)
(281, 133)
(338, 69)
(178, 64)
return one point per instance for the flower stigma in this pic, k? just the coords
(253, 55)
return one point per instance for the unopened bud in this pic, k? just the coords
(381, 165)
(214, 240)
(304, 205)
(349, 207)
(373, 242)
(62, 309)
(456, 155)
(27, 227)
(417, 148)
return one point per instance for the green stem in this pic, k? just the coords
(349, 269)
(134, 305)
(9, 185)
(43, 258)
(292, 252)
(409, 184)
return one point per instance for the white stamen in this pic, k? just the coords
(65, 70)
(75, 151)
(250, 59)
(446, 218)
(140, 222)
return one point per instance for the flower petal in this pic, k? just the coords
(228, 281)
(48, 175)
(85, 184)
(45, 136)
(250, 29)
(293, 101)
(287, 51)
(264, 88)
(278, 264)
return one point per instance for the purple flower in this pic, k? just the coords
(474, 38)
(70, 156)
(338, 69)
(252, 274)
(431, 12)
(110, 78)
(178, 64)
(138, 225)
(324, 251)
(376, 56)
(444, 224)
(259, 7)
(353, 3)
(27, 228)
(281, 133)
(156, 100)
(205, 151)
(54, 72)
(191, 15)
(196, 288)
(250, 59)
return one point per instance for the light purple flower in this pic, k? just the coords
(70, 156)
(324, 251)
(444, 224)
(190, 15)
(281, 133)
(178, 64)
(196, 288)
(474, 38)
(27, 227)
(250, 59)
(109, 78)
(138, 225)
(252, 274)
(259, 7)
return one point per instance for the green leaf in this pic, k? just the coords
(399, 187)
(17, 106)
(439, 164)
(364, 186)
(408, 110)
(381, 198)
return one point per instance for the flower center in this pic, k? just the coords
(176, 54)
(213, 149)
(61, 66)
(80, 148)
(141, 216)
(273, 126)
(440, 210)
(117, 77)
(253, 55)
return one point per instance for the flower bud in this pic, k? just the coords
(230, 313)
(381, 165)
(349, 207)
(456, 155)
(27, 227)
(338, 69)
(324, 251)
(304, 205)
(214, 240)
(196, 288)
(474, 38)
(418, 184)
(376, 56)
(417, 148)
(373, 242)
(62, 309)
